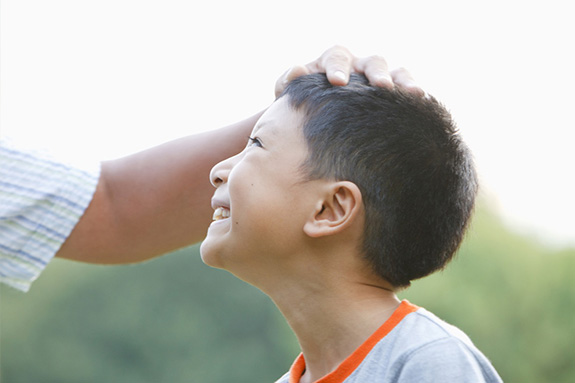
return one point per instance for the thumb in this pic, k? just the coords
(293, 72)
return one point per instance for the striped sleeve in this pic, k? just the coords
(41, 200)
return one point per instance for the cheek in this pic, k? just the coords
(247, 195)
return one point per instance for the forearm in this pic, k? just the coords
(158, 200)
(154, 201)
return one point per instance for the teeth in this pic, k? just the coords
(221, 213)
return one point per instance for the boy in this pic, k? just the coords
(342, 196)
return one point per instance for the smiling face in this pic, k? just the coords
(261, 201)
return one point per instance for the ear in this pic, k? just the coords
(336, 211)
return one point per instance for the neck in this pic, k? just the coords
(332, 317)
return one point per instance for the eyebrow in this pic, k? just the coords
(258, 127)
(269, 127)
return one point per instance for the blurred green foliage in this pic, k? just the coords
(514, 297)
(174, 319)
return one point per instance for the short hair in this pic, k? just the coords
(403, 151)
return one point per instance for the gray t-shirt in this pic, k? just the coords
(412, 346)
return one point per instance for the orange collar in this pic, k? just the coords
(354, 360)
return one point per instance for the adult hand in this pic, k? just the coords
(338, 62)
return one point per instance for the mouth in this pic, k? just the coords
(221, 213)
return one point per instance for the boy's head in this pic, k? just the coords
(415, 175)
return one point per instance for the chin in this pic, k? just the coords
(209, 255)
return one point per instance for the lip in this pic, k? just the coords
(218, 202)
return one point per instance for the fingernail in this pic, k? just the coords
(287, 75)
(413, 88)
(385, 80)
(341, 75)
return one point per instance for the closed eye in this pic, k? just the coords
(254, 141)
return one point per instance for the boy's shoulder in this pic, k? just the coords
(422, 328)
(422, 348)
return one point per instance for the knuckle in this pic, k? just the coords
(377, 61)
(401, 71)
(375, 58)
(340, 48)
(338, 53)
(339, 58)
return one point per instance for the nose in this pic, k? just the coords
(221, 171)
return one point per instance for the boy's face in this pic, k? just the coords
(261, 202)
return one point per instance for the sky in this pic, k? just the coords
(96, 80)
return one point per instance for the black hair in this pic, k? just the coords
(403, 151)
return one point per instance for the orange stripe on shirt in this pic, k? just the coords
(354, 360)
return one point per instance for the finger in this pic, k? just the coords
(402, 78)
(336, 63)
(293, 72)
(376, 71)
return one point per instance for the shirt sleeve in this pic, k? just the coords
(41, 200)
(447, 360)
